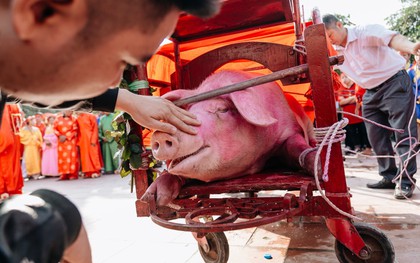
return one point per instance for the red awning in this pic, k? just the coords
(234, 16)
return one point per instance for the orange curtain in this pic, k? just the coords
(162, 65)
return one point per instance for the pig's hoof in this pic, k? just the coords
(302, 157)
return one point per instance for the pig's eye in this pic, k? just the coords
(220, 106)
(222, 110)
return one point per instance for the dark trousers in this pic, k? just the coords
(356, 135)
(391, 104)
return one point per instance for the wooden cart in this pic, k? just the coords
(355, 242)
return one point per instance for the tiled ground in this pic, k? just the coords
(117, 235)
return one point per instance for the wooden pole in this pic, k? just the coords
(139, 176)
(253, 82)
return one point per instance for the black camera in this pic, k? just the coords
(37, 227)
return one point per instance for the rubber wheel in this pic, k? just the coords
(219, 248)
(380, 247)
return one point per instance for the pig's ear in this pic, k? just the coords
(178, 94)
(252, 107)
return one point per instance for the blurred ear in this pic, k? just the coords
(48, 22)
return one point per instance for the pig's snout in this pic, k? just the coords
(164, 146)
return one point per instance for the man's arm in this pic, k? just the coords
(402, 44)
(346, 101)
(156, 113)
(151, 112)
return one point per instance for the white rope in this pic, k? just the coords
(370, 121)
(329, 136)
(303, 155)
(299, 46)
(412, 145)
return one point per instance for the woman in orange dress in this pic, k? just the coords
(66, 129)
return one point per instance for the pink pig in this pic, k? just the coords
(239, 134)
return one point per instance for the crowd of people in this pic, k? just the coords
(349, 100)
(413, 70)
(66, 145)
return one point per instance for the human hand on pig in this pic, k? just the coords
(156, 113)
(164, 189)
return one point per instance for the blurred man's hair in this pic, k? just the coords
(109, 15)
(329, 21)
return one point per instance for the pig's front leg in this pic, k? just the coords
(164, 189)
(294, 146)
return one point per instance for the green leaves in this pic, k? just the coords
(128, 143)
(123, 84)
(125, 168)
(126, 153)
(135, 148)
(406, 20)
(133, 155)
(134, 138)
(135, 161)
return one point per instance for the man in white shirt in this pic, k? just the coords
(372, 62)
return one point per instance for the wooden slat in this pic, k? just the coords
(256, 182)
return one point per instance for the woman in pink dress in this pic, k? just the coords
(49, 150)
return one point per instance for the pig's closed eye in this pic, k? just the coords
(222, 110)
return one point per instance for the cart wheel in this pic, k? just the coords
(219, 248)
(379, 246)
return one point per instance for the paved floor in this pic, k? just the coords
(118, 236)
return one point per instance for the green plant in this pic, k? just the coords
(127, 135)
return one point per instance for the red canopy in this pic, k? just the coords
(235, 15)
